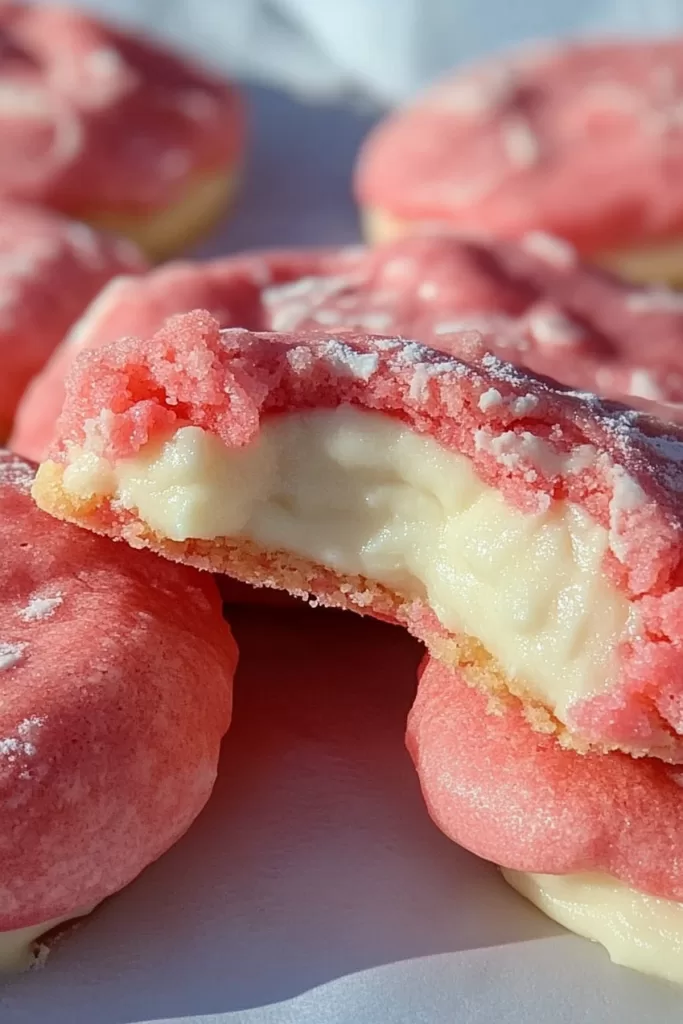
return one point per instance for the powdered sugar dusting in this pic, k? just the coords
(556, 251)
(655, 300)
(551, 327)
(521, 144)
(475, 95)
(23, 744)
(515, 449)
(524, 405)
(15, 473)
(345, 359)
(39, 608)
(643, 385)
(627, 496)
(327, 317)
(423, 373)
(11, 654)
(427, 290)
(288, 304)
(490, 399)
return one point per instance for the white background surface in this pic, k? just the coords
(314, 888)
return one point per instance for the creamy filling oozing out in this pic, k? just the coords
(360, 493)
(18, 947)
(639, 931)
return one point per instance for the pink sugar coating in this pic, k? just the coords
(115, 123)
(582, 140)
(519, 799)
(626, 470)
(231, 288)
(50, 269)
(539, 306)
(116, 671)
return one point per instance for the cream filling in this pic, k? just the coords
(361, 494)
(18, 947)
(639, 931)
(647, 264)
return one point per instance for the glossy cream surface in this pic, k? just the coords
(637, 930)
(362, 494)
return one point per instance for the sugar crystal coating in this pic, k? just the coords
(536, 308)
(521, 800)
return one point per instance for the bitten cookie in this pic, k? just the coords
(529, 534)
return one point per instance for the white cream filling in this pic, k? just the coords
(360, 493)
(18, 947)
(637, 930)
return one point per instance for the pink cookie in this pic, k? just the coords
(50, 269)
(539, 306)
(529, 534)
(594, 840)
(112, 129)
(582, 140)
(521, 800)
(116, 675)
(234, 289)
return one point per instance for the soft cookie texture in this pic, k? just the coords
(594, 839)
(582, 140)
(233, 289)
(50, 269)
(539, 305)
(116, 671)
(531, 535)
(112, 129)
(522, 801)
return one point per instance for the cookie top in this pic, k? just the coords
(509, 421)
(537, 303)
(525, 803)
(583, 140)
(93, 119)
(116, 671)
